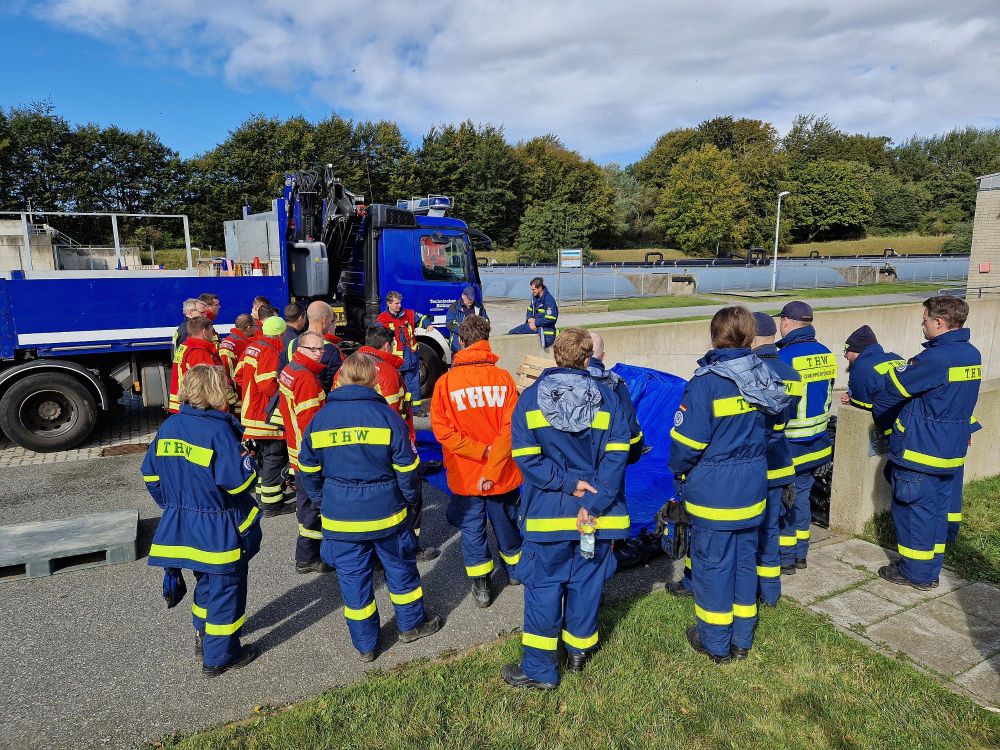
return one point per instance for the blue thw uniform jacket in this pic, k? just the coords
(868, 374)
(542, 310)
(196, 472)
(719, 450)
(613, 381)
(454, 318)
(357, 463)
(780, 468)
(567, 427)
(817, 368)
(938, 390)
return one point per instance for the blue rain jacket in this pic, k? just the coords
(780, 469)
(817, 368)
(542, 310)
(868, 374)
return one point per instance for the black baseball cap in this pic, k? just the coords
(765, 324)
(797, 311)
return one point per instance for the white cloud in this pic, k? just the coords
(607, 78)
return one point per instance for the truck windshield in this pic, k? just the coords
(444, 258)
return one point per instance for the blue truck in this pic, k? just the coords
(74, 342)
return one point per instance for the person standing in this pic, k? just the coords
(403, 323)
(618, 386)
(937, 390)
(462, 308)
(542, 315)
(806, 432)
(198, 349)
(570, 439)
(196, 472)
(232, 347)
(301, 397)
(321, 322)
(867, 365)
(295, 322)
(470, 415)
(357, 463)
(258, 373)
(192, 308)
(719, 462)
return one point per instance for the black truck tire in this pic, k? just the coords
(47, 412)
(431, 368)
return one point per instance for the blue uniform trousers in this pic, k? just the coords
(920, 505)
(469, 514)
(793, 523)
(218, 613)
(724, 574)
(955, 509)
(355, 568)
(545, 335)
(768, 551)
(562, 593)
(411, 375)
(310, 533)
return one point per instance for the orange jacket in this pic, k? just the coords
(193, 351)
(301, 397)
(258, 382)
(470, 414)
(231, 349)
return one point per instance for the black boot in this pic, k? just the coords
(426, 554)
(576, 661)
(677, 588)
(788, 570)
(801, 564)
(514, 677)
(199, 646)
(891, 574)
(313, 567)
(429, 627)
(738, 654)
(481, 593)
(247, 654)
(694, 639)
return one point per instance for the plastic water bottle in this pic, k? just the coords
(587, 542)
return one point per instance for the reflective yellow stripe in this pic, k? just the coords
(601, 421)
(569, 524)
(815, 367)
(778, 427)
(687, 563)
(785, 471)
(899, 386)
(713, 618)
(580, 643)
(961, 374)
(249, 519)
(227, 629)
(351, 436)
(308, 469)
(787, 541)
(687, 441)
(915, 554)
(199, 612)
(408, 467)
(636, 439)
(725, 514)
(939, 549)
(245, 486)
(360, 614)
(331, 524)
(408, 597)
(550, 317)
(197, 555)
(170, 447)
(511, 559)
(814, 456)
(862, 404)
(616, 447)
(729, 407)
(899, 426)
(794, 387)
(954, 518)
(269, 489)
(883, 367)
(310, 533)
(475, 571)
(539, 641)
(308, 404)
(529, 451)
(150, 478)
(536, 419)
(927, 460)
(769, 571)
(800, 534)
(745, 610)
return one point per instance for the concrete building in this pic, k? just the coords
(984, 262)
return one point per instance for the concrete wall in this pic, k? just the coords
(986, 239)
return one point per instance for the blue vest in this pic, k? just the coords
(356, 461)
(553, 461)
(780, 468)
(196, 471)
(718, 449)
(817, 369)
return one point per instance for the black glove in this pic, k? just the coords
(788, 495)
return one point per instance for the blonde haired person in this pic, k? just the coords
(197, 473)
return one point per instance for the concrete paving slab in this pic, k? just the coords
(979, 599)
(825, 575)
(983, 680)
(860, 552)
(908, 596)
(939, 636)
(856, 607)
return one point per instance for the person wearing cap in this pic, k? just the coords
(867, 365)
(258, 382)
(808, 440)
(461, 309)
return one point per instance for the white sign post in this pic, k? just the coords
(570, 258)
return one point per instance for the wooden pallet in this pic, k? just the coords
(34, 550)
(530, 369)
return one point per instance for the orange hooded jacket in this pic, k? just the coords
(470, 414)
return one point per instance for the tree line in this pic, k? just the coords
(701, 189)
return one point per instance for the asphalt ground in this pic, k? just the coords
(93, 658)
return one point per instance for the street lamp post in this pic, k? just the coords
(777, 227)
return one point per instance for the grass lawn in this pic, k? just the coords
(976, 553)
(805, 685)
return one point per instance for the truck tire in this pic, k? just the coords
(47, 412)
(431, 368)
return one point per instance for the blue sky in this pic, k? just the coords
(606, 78)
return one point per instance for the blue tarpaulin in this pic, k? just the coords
(648, 483)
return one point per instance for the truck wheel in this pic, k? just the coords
(47, 412)
(431, 368)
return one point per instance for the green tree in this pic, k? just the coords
(704, 205)
(551, 225)
(634, 208)
(832, 198)
(898, 205)
(653, 169)
(960, 241)
(37, 165)
(384, 158)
